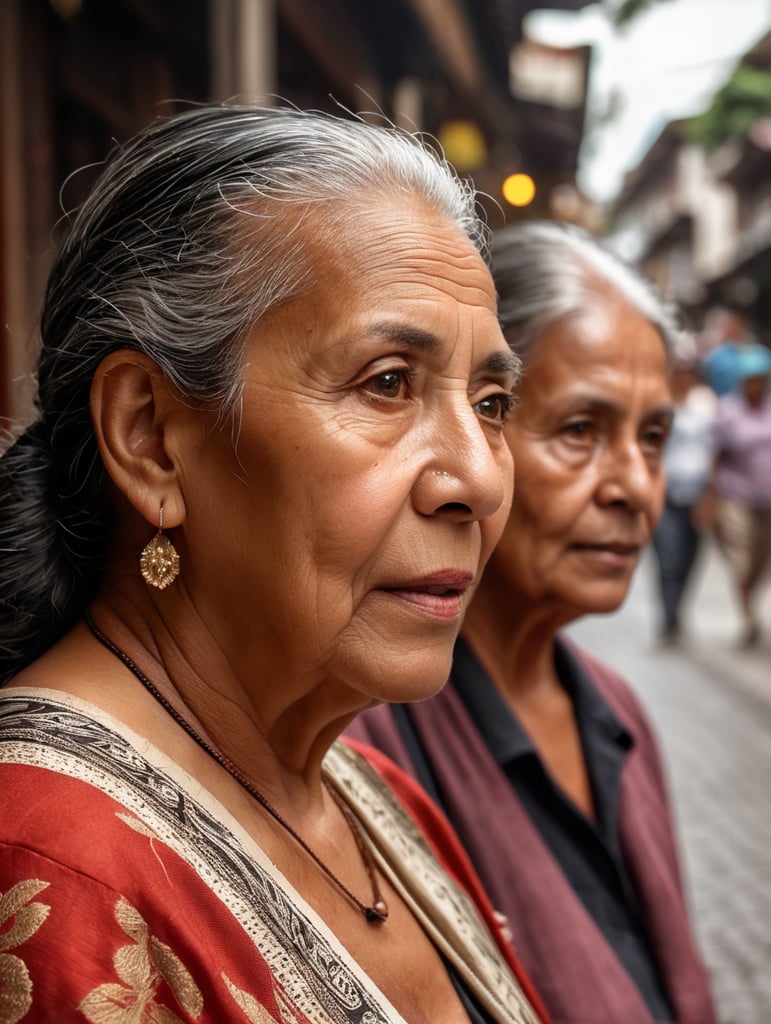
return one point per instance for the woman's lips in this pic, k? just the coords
(438, 595)
(615, 554)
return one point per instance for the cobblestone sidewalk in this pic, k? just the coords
(711, 704)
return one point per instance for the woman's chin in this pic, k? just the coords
(602, 601)
(415, 679)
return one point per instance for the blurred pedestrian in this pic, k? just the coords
(541, 756)
(738, 503)
(687, 465)
(729, 336)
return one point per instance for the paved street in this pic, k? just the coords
(711, 704)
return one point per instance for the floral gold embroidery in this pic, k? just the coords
(254, 1011)
(142, 965)
(25, 918)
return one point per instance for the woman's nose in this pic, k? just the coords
(469, 474)
(627, 478)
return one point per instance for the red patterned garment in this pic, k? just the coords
(128, 895)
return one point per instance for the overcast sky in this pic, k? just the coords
(666, 64)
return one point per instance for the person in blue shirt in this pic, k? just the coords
(722, 365)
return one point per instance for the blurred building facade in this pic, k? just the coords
(77, 76)
(700, 222)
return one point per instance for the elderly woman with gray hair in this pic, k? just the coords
(267, 467)
(540, 755)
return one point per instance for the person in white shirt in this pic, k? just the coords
(687, 464)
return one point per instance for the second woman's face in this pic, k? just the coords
(370, 478)
(587, 439)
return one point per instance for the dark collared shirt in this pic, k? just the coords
(587, 851)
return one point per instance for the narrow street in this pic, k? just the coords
(711, 704)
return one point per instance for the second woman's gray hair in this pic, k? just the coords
(546, 272)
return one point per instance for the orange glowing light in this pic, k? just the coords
(519, 189)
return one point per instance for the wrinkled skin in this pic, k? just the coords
(370, 458)
(587, 440)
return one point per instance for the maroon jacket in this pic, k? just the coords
(574, 970)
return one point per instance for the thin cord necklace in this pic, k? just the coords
(377, 912)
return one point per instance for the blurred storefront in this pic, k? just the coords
(745, 167)
(79, 75)
(699, 221)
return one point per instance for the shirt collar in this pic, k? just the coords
(590, 705)
(499, 726)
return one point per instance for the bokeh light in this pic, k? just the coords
(519, 189)
(463, 145)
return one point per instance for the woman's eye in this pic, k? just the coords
(388, 384)
(578, 428)
(495, 407)
(655, 438)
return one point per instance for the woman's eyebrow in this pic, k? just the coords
(503, 361)
(665, 413)
(413, 337)
(607, 406)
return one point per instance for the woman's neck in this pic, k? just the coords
(513, 638)
(276, 735)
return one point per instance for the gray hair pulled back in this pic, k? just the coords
(187, 240)
(547, 272)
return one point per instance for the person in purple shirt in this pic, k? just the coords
(738, 504)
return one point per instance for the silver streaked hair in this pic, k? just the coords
(195, 231)
(547, 272)
(188, 237)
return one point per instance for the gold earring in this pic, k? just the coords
(159, 561)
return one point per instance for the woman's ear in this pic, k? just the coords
(133, 406)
